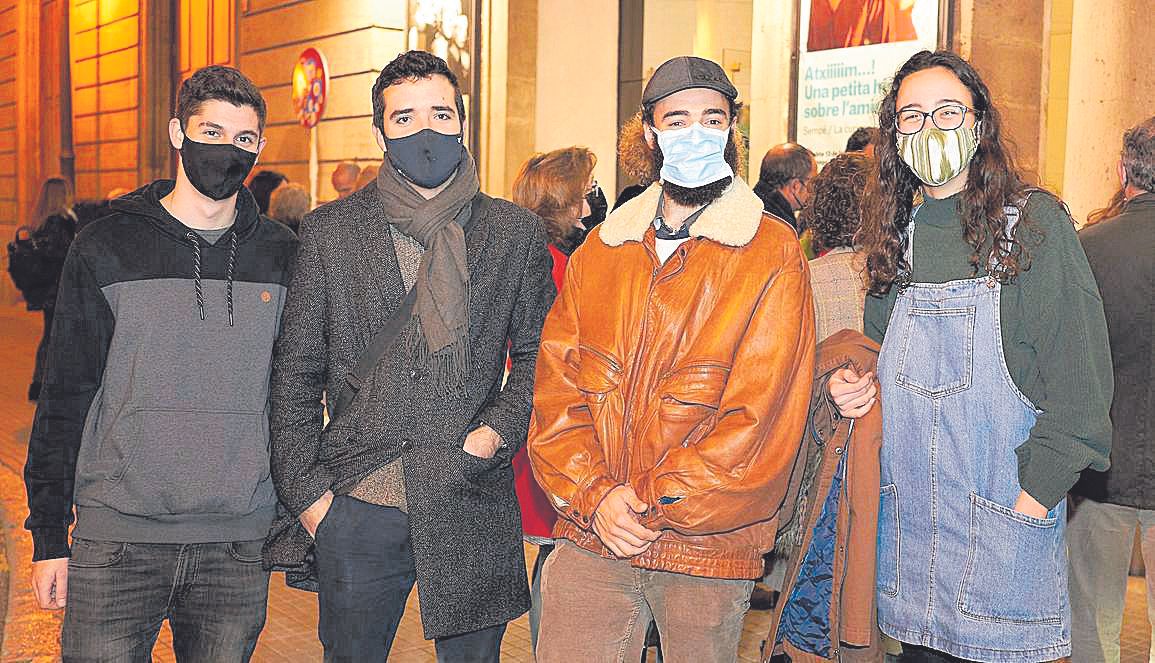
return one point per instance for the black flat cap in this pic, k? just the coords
(683, 73)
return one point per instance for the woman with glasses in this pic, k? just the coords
(995, 377)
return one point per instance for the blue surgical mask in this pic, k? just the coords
(694, 156)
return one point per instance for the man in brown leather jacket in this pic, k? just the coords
(672, 388)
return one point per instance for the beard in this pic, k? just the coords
(698, 196)
(568, 241)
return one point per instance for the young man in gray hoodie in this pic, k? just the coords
(153, 418)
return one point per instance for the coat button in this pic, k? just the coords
(838, 451)
(406, 444)
(412, 375)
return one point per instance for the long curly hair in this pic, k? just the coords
(834, 212)
(993, 182)
(1113, 209)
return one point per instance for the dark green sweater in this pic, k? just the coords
(1054, 337)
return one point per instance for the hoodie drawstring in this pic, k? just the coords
(229, 278)
(196, 246)
(197, 272)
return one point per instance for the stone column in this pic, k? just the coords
(577, 81)
(1111, 90)
(509, 90)
(772, 48)
(1006, 40)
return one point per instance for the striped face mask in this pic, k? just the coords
(938, 156)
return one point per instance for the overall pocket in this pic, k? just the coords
(937, 351)
(193, 461)
(889, 540)
(690, 397)
(1012, 574)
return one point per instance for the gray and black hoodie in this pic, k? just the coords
(153, 417)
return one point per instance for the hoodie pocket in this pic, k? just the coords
(194, 461)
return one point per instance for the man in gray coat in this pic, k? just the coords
(411, 482)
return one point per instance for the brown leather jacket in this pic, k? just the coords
(845, 607)
(687, 380)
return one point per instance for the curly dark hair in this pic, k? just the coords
(411, 66)
(835, 203)
(861, 139)
(993, 182)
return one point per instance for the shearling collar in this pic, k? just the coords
(732, 219)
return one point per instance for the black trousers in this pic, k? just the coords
(365, 571)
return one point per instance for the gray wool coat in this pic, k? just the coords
(465, 527)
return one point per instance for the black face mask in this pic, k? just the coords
(598, 208)
(217, 170)
(427, 158)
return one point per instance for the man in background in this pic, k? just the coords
(1111, 505)
(344, 179)
(782, 181)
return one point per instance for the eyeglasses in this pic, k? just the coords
(946, 118)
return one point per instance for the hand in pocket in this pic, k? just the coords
(483, 442)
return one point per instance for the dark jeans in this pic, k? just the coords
(213, 595)
(365, 571)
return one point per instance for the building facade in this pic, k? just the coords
(86, 86)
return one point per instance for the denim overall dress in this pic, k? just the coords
(959, 570)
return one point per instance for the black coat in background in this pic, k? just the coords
(1122, 256)
(774, 202)
(465, 526)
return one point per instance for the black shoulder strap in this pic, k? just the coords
(375, 351)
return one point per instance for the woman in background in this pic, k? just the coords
(263, 184)
(557, 186)
(53, 227)
(832, 217)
